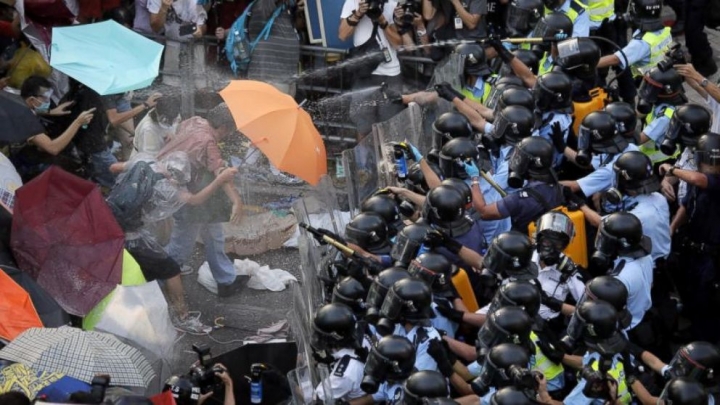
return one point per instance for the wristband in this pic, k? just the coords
(383, 26)
(351, 22)
(146, 105)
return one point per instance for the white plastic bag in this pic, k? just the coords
(261, 277)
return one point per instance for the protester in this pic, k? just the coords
(120, 114)
(157, 127)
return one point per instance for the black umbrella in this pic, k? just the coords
(51, 315)
(17, 122)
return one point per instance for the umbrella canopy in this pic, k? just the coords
(105, 56)
(17, 312)
(47, 308)
(21, 378)
(66, 238)
(279, 127)
(17, 122)
(80, 355)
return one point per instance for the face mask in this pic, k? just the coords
(43, 108)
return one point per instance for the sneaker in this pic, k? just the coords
(192, 324)
(228, 290)
(186, 270)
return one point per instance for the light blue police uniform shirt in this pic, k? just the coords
(501, 167)
(423, 360)
(389, 393)
(637, 51)
(485, 399)
(581, 26)
(656, 129)
(602, 177)
(576, 396)
(440, 322)
(637, 275)
(491, 228)
(545, 131)
(555, 384)
(654, 213)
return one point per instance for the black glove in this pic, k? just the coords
(551, 302)
(573, 201)
(392, 96)
(635, 350)
(449, 313)
(437, 238)
(558, 137)
(445, 91)
(331, 235)
(552, 352)
(436, 350)
(503, 53)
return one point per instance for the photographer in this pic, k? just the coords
(185, 389)
(465, 17)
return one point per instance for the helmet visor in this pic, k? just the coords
(710, 158)
(418, 271)
(556, 223)
(649, 90)
(453, 167)
(540, 30)
(356, 304)
(520, 161)
(495, 260)
(584, 138)
(677, 128)
(405, 249)
(520, 20)
(683, 366)
(392, 306)
(493, 97)
(376, 295)
(377, 365)
(606, 243)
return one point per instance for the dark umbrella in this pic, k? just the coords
(17, 122)
(47, 308)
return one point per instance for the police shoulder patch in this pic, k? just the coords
(342, 366)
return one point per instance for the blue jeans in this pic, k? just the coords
(182, 244)
(100, 163)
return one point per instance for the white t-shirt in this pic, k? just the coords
(188, 11)
(364, 29)
(150, 136)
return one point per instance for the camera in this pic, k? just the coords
(674, 56)
(202, 374)
(523, 378)
(375, 8)
(98, 386)
(410, 8)
(596, 381)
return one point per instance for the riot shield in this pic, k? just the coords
(304, 381)
(361, 171)
(450, 70)
(404, 126)
(299, 319)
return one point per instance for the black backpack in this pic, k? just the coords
(128, 197)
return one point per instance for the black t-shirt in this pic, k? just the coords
(703, 210)
(91, 139)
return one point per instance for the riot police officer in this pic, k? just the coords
(424, 384)
(527, 57)
(385, 206)
(553, 103)
(390, 362)
(369, 232)
(625, 119)
(504, 365)
(448, 126)
(379, 288)
(522, 17)
(575, 10)
(334, 341)
(698, 213)
(352, 293)
(684, 391)
(477, 72)
(410, 243)
(578, 58)
(532, 161)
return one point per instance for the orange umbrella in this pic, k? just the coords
(17, 312)
(279, 127)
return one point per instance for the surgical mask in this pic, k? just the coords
(43, 108)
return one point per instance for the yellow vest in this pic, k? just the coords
(576, 8)
(650, 148)
(544, 365)
(486, 92)
(542, 69)
(659, 42)
(618, 373)
(599, 10)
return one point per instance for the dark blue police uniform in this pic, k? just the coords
(530, 203)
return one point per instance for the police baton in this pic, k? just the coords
(492, 183)
(345, 249)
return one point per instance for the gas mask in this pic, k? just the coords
(606, 250)
(493, 376)
(578, 329)
(648, 94)
(376, 371)
(393, 305)
(584, 151)
(675, 130)
(374, 301)
(518, 167)
(554, 233)
(406, 248)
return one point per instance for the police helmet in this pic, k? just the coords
(555, 24)
(518, 293)
(578, 57)
(408, 300)
(688, 123)
(409, 242)
(553, 232)
(697, 360)
(510, 254)
(625, 117)
(443, 205)
(512, 124)
(454, 153)
(333, 327)
(511, 395)
(528, 58)
(522, 16)
(684, 391)
(516, 95)
(504, 356)
(350, 292)
(662, 86)
(532, 158)
(436, 270)
(621, 233)
(449, 126)
(634, 174)
(707, 151)
(379, 288)
(415, 180)
(598, 133)
(387, 207)
(600, 327)
(369, 231)
(505, 325)
(646, 14)
(553, 91)
(462, 187)
(183, 389)
(612, 291)
(392, 359)
(500, 85)
(424, 384)
(475, 63)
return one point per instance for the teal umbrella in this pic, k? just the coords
(106, 56)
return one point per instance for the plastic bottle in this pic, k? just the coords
(401, 163)
(256, 383)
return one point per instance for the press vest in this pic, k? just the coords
(576, 8)
(650, 148)
(599, 10)
(544, 365)
(618, 373)
(659, 42)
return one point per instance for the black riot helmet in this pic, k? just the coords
(333, 327)
(505, 325)
(598, 133)
(390, 359)
(578, 57)
(351, 292)
(443, 205)
(662, 87)
(516, 95)
(503, 366)
(409, 243)
(475, 63)
(553, 91)
(510, 255)
(555, 24)
(462, 187)
(532, 158)
(424, 384)
(634, 175)
(408, 300)
(456, 152)
(415, 180)
(684, 391)
(697, 360)
(625, 117)
(511, 125)
(499, 87)
(518, 293)
(620, 234)
(449, 126)
(528, 58)
(600, 326)
(511, 395)
(369, 231)
(522, 16)
(646, 14)
(183, 389)
(387, 207)
(436, 270)
(379, 288)
(707, 152)
(553, 232)
(688, 123)
(612, 291)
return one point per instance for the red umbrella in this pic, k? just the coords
(66, 238)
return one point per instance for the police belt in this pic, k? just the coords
(701, 247)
